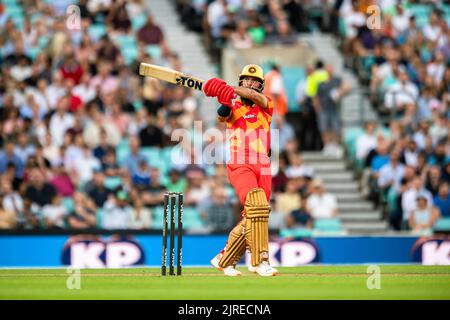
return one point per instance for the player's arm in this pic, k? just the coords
(252, 95)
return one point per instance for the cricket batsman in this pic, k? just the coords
(248, 114)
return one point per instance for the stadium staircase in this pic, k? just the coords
(358, 215)
(188, 46)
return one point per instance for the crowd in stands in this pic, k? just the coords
(86, 143)
(405, 62)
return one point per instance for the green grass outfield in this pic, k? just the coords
(310, 282)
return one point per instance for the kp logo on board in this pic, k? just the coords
(432, 251)
(90, 252)
(291, 253)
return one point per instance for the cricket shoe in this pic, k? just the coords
(229, 271)
(264, 269)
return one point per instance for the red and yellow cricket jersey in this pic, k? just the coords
(249, 129)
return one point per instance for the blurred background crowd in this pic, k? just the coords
(86, 143)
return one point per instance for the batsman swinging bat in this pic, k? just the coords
(170, 75)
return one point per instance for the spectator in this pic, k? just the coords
(55, 213)
(217, 212)
(442, 200)
(12, 201)
(277, 220)
(320, 203)
(7, 217)
(240, 39)
(10, 156)
(329, 94)
(117, 211)
(392, 173)
(275, 89)
(96, 189)
(424, 216)
(300, 218)
(141, 177)
(409, 197)
(151, 34)
(176, 183)
(367, 141)
(151, 135)
(84, 213)
(62, 182)
(140, 217)
(289, 200)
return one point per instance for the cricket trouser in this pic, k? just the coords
(248, 178)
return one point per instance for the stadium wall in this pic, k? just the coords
(97, 251)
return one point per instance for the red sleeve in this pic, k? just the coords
(269, 108)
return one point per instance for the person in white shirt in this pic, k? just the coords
(432, 30)
(410, 195)
(400, 21)
(320, 204)
(392, 173)
(55, 213)
(60, 121)
(367, 141)
(401, 93)
(117, 211)
(84, 90)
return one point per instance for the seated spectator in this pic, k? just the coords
(62, 181)
(8, 219)
(217, 211)
(296, 167)
(277, 220)
(55, 213)
(409, 198)
(433, 179)
(392, 173)
(402, 93)
(84, 214)
(102, 148)
(197, 187)
(9, 155)
(140, 216)
(12, 200)
(117, 211)
(240, 39)
(300, 218)
(141, 178)
(442, 200)
(289, 199)
(151, 34)
(151, 135)
(423, 216)
(154, 194)
(109, 163)
(96, 189)
(176, 182)
(321, 204)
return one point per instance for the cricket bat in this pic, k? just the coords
(170, 75)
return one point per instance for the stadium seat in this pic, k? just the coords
(96, 31)
(112, 182)
(9, 3)
(68, 204)
(154, 51)
(328, 225)
(296, 233)
(129, 52)
(138, 21)
(122, 152)
(33, 52)
(442, 225)
(99, 216)
(153, 154)
(157, 218)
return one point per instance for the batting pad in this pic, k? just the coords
(235, 248)
(257, 211)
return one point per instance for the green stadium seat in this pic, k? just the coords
(296, 233)
(122, 152)
(33, 52)
(328, 225)
(442, 225)
(99, 216)
(68, 204)
(154, 51)
(157, 217)
(43, 41)
(138, 21)
(96, 31)
(153, 154)
(350, 137)
(138, 105)
(14, 10)
(10, 3)
(129, 52)
(112, 182)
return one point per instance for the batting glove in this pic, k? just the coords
(213, 86)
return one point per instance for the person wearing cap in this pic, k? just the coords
(424, 216)
(321, 204)
(247, 111)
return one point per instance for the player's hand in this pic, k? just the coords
(226, 94)
(213, 87)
